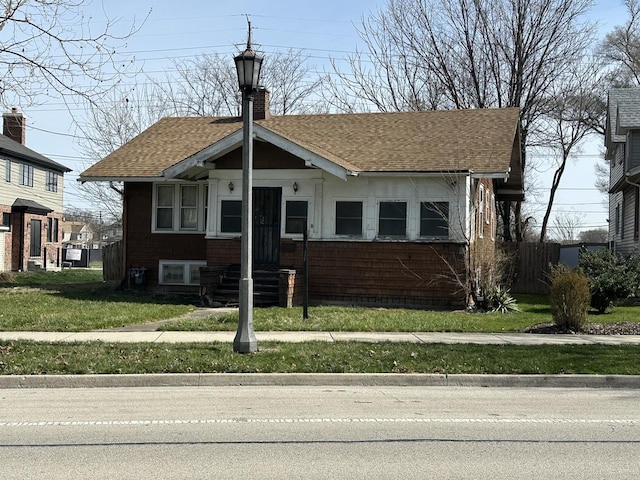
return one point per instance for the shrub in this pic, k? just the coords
(611, 277)
(500, 300)
(569, 299)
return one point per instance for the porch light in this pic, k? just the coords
(295, 187)
(248, 66)
(231, 187)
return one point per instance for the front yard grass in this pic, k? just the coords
(77, 300)
(534, 310)
(33, 358)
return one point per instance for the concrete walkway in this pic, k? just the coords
(417, 337)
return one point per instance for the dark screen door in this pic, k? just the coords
(266, 227)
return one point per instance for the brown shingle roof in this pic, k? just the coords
(479, 140)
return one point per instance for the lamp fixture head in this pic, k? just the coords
(231, 186)
(248, 65)
(295, 187)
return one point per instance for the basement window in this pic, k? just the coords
(180, 272)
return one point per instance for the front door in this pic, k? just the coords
(266, 227)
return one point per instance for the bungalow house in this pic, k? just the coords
(31, 188)
(622, 142)
(397, 206)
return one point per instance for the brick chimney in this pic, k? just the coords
(261, 104)
(14, 125)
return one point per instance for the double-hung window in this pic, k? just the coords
(188, 207)
(349, 218)
(392, 219)
(26, 175)
(52, 182)
(434, 219)
(164, 207)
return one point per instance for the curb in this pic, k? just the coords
(318, 379)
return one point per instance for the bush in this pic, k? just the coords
(611, 277)
(500, 300)
(569, 299)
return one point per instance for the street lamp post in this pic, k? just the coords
(248, 67)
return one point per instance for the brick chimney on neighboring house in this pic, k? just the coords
(14, 125)
(261, 104)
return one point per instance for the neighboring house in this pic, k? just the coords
(31, 188)
(77, 235)
(622, 141)
(393, 202)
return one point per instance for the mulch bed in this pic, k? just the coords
(623, 328)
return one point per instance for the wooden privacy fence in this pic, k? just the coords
(112, 262)
(531, 262)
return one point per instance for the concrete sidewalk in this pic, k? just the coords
(307, 336)
(276, 379)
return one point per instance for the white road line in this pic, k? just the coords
(631, 422)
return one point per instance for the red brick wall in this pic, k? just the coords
(371, 273)
(144, 249)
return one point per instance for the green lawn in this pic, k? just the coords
(78, 300)
(33, 358)
(534, 310)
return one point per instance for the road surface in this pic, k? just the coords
(319, 432)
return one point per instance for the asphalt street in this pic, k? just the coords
(319, 432)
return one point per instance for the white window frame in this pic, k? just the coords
(406, 218)
(219, 217)
(334, 217)
(447, 220)
(284, 232)
(480, 211)
(177, 208)
(186, 271)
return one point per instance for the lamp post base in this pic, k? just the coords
(245, 339)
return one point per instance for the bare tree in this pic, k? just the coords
(566, 226)
(467, 54)
(48, 46)
(208, 85)
(567, 123)
(204, 86)
(120, 116)
(620, 49)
